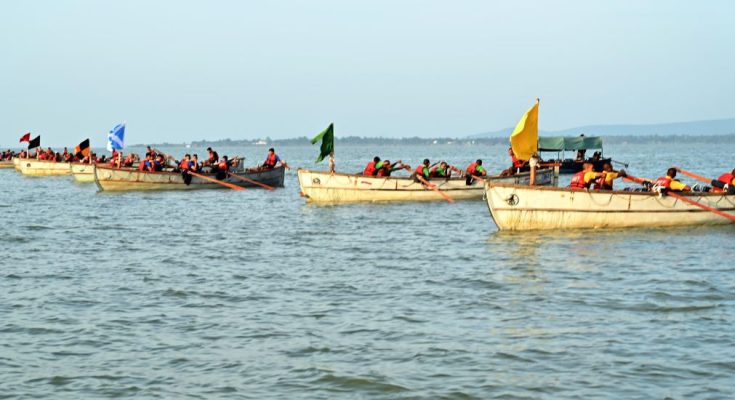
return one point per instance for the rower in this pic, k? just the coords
(371, 169)
(223, 165)
(725, 183)
(272, 159)
(129, 160)
(605, 182)
(386, 168)
(423, 170)
(194, 164)
(441, 171)
(584, 178)
(669, 183)
(185, 163)
(213, 158)
(475, 169)
(145, 164)
(518, 164)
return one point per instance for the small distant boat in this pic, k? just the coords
(7, 164)
(521, 208)
(325, 188)
(33, 167)
(83, 172)
(128, 179)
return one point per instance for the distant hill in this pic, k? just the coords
(692, 128)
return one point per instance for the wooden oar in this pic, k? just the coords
(695, 176)
(244, 179)
(432, 186)
(206, 178)
(687, 200)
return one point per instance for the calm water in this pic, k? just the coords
(253, 294)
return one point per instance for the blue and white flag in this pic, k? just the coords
(116, 138)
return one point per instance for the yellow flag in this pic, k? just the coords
(524, 139)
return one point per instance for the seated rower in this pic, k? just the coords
(194, 164)
(158, 163)
(669, 183)
(146, 164)
(423, 170)
(584, 178)
(605, 182)
(386, 168)
(272, 159)
(517, 164)
(441, 171)
(129, 160)
(371, 169)
(223, 165)
(185, 163)
(213, 158)
(475, 169)
(725, 183)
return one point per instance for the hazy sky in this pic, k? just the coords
(186, 70)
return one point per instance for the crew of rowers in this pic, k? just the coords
(587, 178)
(425, 171)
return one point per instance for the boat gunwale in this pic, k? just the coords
(490, 185)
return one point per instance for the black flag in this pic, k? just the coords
(34, 143)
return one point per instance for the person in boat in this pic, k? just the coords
(146, 165)
(423, 170)
(474, 169)
(605, 182)
(371, 169)
(584, 178)
(151, 152)
(213, 158)
(725, 183)
(386, 168)
(272, 159)
(194, 164)
(441, 171)
(223, 165)
(517, 164)
(185, 163)
(669, 182)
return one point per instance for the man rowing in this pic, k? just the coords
(584, 178)
(371, 169)
(386, 168)
(605, 182)
(669, 183)
(440, 171)
(423, 170)
(272, 159)
(213, 158)
(725, 183)
(474, 169)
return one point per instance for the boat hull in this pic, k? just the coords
(113, 179)
(33, 167)
(7, 164)
(83, 173)
(324, 188)
(519, 208)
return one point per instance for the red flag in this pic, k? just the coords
(25, 137)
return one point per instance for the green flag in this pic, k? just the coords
(327, 138)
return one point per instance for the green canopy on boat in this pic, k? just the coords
(560, 143)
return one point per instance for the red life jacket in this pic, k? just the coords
(423, 171)
(384, 171)
(270, 161)
(578, 181)
(184, 165)
(222, 165)
(726, 178)
(472, 168)
(663, 181)
(369, 169)
(516, 162)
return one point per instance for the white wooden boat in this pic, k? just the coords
(520, 208)
(7, 164)
(83, 172)
(16, 163)
(33, 167)
(126, 179)
(325, 188)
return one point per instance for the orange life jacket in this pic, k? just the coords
(369, 169)
(222, 165)
(184, 165)
(578, 181)
(385, 171)
(726, 178)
